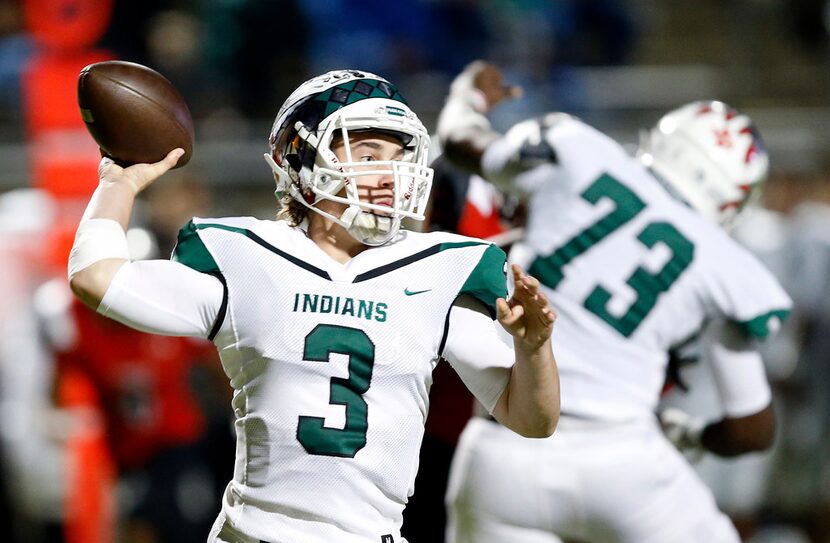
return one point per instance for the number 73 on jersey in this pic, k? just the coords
(646, 284)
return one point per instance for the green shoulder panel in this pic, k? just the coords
(764, 325)
(488, 280)
(191, 251)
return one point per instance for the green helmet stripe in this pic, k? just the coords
(354, 91)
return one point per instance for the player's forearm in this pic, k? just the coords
(470, 143)
(100, 248)
(111, 200)
(740, 435)
(466, 148)
(530, 404)
(463, 130)
(740, 376)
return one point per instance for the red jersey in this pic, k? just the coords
(145, 383)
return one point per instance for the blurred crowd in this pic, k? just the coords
(241, 58)
(108, 434)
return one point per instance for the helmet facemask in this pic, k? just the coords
(307, 168)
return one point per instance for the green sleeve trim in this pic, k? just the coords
(458, 244)
(760, 328)
(191, 251)
(488, 281)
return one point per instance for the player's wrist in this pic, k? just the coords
(531, 347)
(472, 99)
(683, 430)
(694, 433)
(463, 88)
(121, 186)
(459, 115)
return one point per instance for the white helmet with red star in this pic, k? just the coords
(709, 155)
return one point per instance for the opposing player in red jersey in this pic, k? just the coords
(156, 423)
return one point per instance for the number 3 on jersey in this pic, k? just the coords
(647, 285)
(315, 438)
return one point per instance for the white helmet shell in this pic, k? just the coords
(306, 168)
(709, 155)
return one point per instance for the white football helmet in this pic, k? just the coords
(306, 168)
(708, 155)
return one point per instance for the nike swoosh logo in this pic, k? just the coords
(414, 292)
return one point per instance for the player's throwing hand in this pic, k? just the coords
(138, 176)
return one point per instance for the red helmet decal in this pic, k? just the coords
(723, 138)
(751, 153)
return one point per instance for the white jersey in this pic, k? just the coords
(631, 271)
(331, 367)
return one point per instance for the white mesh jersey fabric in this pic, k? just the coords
(331, 367)
(631, 271)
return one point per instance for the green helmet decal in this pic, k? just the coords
(355, 91)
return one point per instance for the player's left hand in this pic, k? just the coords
(527, 316)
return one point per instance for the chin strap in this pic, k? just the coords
(374, 230)
(348, 217)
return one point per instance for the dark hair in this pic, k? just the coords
(291, 211)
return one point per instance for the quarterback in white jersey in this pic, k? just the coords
(330, 321)
(630, 251)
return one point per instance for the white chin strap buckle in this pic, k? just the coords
(348, 217)
(368, 228)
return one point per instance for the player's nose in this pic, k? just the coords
(386, 181)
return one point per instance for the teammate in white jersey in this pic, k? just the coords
(630, 251)
(330, 321)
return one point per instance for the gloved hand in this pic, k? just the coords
(473, 93)
(483, 84)
(684, 431)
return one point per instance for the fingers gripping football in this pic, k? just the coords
(138, 176)
(527, 316)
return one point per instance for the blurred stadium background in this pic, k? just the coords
(619, 64)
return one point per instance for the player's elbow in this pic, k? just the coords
(540, 424)
(91, 283)
(84, 285)
(533, 431)
(545, 427)
(534, 421)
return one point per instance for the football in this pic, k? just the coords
(134, 113)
